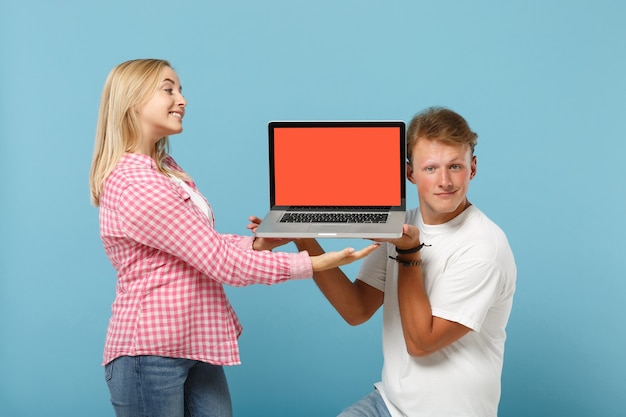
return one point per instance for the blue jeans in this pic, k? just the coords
(154, 386)
(372, 405)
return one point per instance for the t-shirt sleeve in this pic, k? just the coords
(466, 291)
(374, 268)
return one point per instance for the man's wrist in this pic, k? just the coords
(411, 250)
(407, 261)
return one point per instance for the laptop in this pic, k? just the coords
(336, 179)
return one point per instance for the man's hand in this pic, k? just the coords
(410, 238)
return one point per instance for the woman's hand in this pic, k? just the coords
(264, 243)
(321, 262)
(346, 256)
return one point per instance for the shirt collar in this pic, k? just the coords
(139, 159)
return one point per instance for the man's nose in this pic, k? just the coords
(445, 180)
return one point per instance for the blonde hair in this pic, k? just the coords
(128, 85)
(440, 124)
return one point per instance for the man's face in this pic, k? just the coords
(442, 174)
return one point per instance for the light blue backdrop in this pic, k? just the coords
(542, 82)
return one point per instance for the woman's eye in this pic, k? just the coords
(169, 90)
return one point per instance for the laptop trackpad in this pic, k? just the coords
(329, 230)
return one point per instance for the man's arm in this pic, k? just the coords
(423, 332)
(355, 301)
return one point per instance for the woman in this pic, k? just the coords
(172, 327)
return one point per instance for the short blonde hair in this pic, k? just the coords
(440, 124)
(118, 131)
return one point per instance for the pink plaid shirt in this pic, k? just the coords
(171, 267)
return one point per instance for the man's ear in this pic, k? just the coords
(473, 172)
(409, 172)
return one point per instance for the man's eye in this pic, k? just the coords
(455, 167)
(429, 169)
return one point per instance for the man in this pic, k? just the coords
(446, 287)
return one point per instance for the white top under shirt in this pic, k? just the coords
(469, 275)
(196, 198)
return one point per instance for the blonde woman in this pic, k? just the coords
(172, 327)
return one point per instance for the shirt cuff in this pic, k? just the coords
(246, 242)
(301, 266)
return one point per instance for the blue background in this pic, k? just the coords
(542, 83)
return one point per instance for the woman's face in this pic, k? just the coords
(162, 115)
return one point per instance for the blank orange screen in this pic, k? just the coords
(338, 166)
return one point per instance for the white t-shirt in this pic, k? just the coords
(469, 275)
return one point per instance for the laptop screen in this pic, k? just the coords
(337, 163)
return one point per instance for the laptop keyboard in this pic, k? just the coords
(333, 217)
